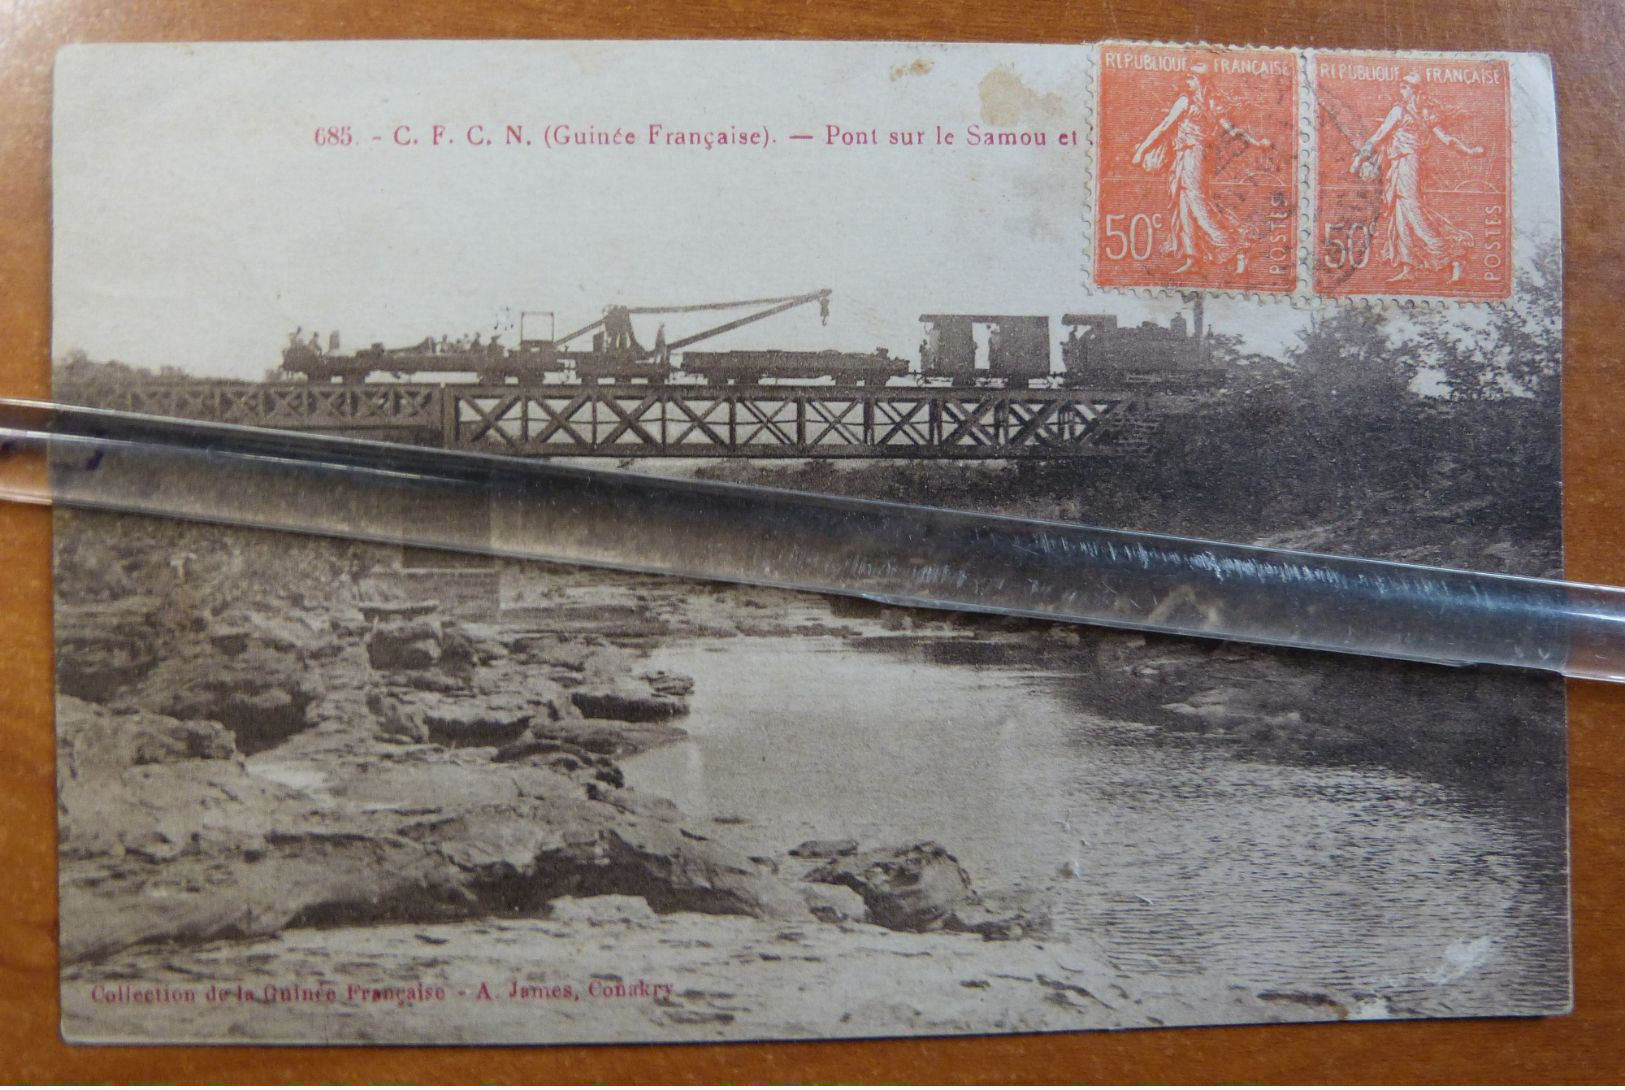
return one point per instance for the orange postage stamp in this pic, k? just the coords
(1413, 196)
(1196, 168)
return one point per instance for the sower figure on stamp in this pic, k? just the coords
(1198, 120)
(1415, 234)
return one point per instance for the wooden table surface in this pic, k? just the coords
(1584, 38)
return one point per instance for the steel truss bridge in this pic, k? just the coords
(690, 421)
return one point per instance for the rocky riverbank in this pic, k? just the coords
(232, 770)
(272, 776)
(382, 764)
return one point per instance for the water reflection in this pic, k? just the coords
(1176, 854)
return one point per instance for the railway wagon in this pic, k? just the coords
(781, 365)
(965, 348)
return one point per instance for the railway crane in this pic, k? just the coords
(614, 353)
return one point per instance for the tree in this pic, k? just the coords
(1503, 379)
(1348, 358)
(1516, 352)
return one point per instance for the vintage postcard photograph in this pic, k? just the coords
(325, 791)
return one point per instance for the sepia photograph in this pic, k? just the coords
(314, 790)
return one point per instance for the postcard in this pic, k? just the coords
(320, 791)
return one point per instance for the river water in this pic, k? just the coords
(1175, 855)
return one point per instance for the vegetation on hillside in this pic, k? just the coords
(1412, 436)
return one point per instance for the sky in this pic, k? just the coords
(202, 211)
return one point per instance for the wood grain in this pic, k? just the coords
(1584, 39)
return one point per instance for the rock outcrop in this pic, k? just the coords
(183, 841)
(824, 849)
(140, 786)
(261, 695)
(916, 887)
(466, 645)
(632, 703)
(260, 747)
(413, 644)
(462, 718)
(91, 741)
(103, 648)
(265, 772)
(834, 904)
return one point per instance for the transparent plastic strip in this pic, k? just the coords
(885, 552)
